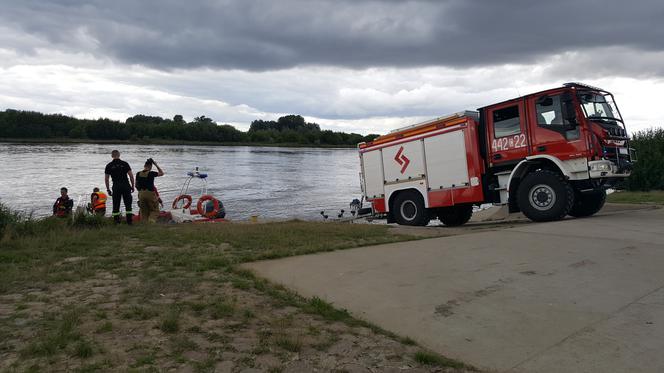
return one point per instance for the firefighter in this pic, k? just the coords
(123, 186)
(98, 202)
(63, 205)
(148, 199)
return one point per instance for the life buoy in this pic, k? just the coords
(215, 206)
(186, 198)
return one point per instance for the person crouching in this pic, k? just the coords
(148, 201)
(98, 202)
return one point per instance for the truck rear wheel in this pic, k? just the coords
(455, 215)
(408, 209)
(586, 204)
(545, 195)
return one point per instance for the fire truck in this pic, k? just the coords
(548, 154)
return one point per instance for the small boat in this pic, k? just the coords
(207, 208)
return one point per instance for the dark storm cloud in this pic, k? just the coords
(276, 34)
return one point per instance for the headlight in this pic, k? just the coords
(603, 166)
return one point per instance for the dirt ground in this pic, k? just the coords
(143, 314)
(221, 328)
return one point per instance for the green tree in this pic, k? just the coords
(648, 171)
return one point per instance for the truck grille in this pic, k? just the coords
(616, 131)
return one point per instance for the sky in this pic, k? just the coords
(350, 65)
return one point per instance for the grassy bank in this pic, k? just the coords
(171, 297)
(166, 142)
(652, 197)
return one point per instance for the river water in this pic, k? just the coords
(270, 182)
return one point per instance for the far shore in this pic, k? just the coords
(166, 142)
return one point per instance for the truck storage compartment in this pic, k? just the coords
(447, 162)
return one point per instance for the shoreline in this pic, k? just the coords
(166, 142)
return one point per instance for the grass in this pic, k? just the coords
(319, 307)
(57, 335)
(118, 298)
(433, 359)
(651, 197)
(83, 349)
(219, 309)
(288, 343)
(106, 327)
(170, 323)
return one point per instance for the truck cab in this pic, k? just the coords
(575, 133)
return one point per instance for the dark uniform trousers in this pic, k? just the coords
(122, 193)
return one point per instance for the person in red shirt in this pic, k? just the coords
(63, 205)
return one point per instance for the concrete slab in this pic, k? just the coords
(580, 295)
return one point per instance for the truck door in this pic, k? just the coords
(506, 124)
(554, 129)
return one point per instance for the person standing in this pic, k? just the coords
(98, 202)
(63, 205)
(123, 186)
(148, 199)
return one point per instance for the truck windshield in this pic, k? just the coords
(599, 106)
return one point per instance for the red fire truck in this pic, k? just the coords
(548, 154)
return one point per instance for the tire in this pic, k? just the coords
(586, 204)
(408, 209)
(544, 195)
(455, 216)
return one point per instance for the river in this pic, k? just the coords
(271, 182)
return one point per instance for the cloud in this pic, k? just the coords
(351, 100)
(265, 35)
(351, 65)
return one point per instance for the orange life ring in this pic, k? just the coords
(215, 209)
(181, 197)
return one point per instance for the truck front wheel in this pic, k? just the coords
(545, 195)
(408, 209)
(455, 215)
(586, 204)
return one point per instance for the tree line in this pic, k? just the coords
(648, 173)
(289, 129)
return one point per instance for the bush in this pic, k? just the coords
(83, 220)
(15, 224)
(7, 218)
(648, 171)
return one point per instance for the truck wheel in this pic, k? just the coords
(408, 209)
(545, 195)
(455, 215)
(586, 204)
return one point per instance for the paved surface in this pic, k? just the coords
(580, 295)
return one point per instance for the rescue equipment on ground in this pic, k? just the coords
(208, 208)
(356, 211)
(216, 209)
(182, 197)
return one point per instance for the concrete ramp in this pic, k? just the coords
(580, 295)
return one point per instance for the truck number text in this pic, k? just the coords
(509, 142)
